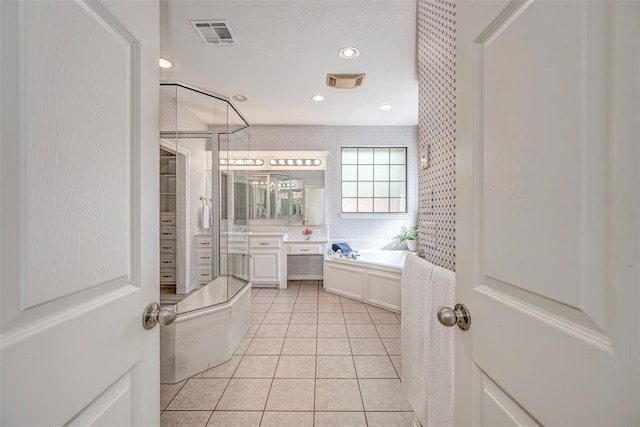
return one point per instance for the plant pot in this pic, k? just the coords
(412, 245)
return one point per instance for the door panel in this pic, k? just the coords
(77, 208)
(544, 102)
(547, 170)
(78, 264)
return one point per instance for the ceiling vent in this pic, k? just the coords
(215, 31)
(345, 81)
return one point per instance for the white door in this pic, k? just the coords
(548, 200)
(79, 212)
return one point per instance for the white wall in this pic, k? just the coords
(332, 138)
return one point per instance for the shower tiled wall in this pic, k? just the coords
(332, 138)
(436, 130)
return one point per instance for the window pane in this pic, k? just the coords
(365, 173)
(349, 189)
(365, 205)
(365, 156)
(349, 173)
(381, 156)
(374, 179)
(381, 205)
(365, 189)
(398, 205)
(398, 189)
(398, 156)
(381, 173)
(397, 173)
(349, 156)
(381, 189)
(349, 205)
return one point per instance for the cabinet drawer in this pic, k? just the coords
(203, 256)
(167, 232)
(305, 249)
(203, 242)
(167, 246)
(167, 219)
(204, 274)
(168, 260)
(264, 243)
(167, 275)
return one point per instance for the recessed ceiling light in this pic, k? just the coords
(385, 107)
(349, 52)
(165, 63)
(317, 98)
(240, 98)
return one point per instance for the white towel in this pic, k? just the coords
(205, 216)
(427, 346)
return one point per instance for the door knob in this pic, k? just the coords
(459, 315)
(155, 314)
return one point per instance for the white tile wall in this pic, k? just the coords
(332, 139)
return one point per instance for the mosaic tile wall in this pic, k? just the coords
(332, 138)
(436, 129)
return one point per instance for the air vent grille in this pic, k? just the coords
(215, 32)
(345, 81)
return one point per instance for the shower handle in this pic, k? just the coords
(155, 314)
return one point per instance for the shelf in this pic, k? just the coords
(167, 174)
(167, 194)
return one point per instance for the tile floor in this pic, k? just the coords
(310, 358)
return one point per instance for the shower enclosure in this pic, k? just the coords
(204, 260)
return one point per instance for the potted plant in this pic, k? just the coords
(409, 235)
(307, 233)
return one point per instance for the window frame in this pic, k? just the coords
(389, 198)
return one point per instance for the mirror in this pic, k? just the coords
(293, 197)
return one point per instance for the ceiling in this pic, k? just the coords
(284, 50)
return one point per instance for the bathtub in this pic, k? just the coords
(374, 278)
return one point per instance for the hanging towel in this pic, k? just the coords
(205, 216)
(342, 247)
(427, 347)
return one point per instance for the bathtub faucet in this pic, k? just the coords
(353, 255)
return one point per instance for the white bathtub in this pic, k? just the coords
(374, 278)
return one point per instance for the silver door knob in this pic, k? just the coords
(459, 315)
(155, 314)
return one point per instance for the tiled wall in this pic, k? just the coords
(436, 129)
(332, 138)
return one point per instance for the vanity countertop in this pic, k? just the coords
(306, 241)
(254, 233)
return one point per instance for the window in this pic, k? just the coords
(374, 180)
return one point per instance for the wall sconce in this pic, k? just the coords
(424, 158)
(295, 162)
(241, 162)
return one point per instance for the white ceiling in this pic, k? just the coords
(285, 50)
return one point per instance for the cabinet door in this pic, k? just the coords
(265, 267)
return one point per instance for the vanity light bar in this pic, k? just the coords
(241, 162)
(295, 162)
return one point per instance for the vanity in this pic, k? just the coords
(276, 195)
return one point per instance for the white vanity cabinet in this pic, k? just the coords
(267, 263)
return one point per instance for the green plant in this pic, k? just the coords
(408, 234)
